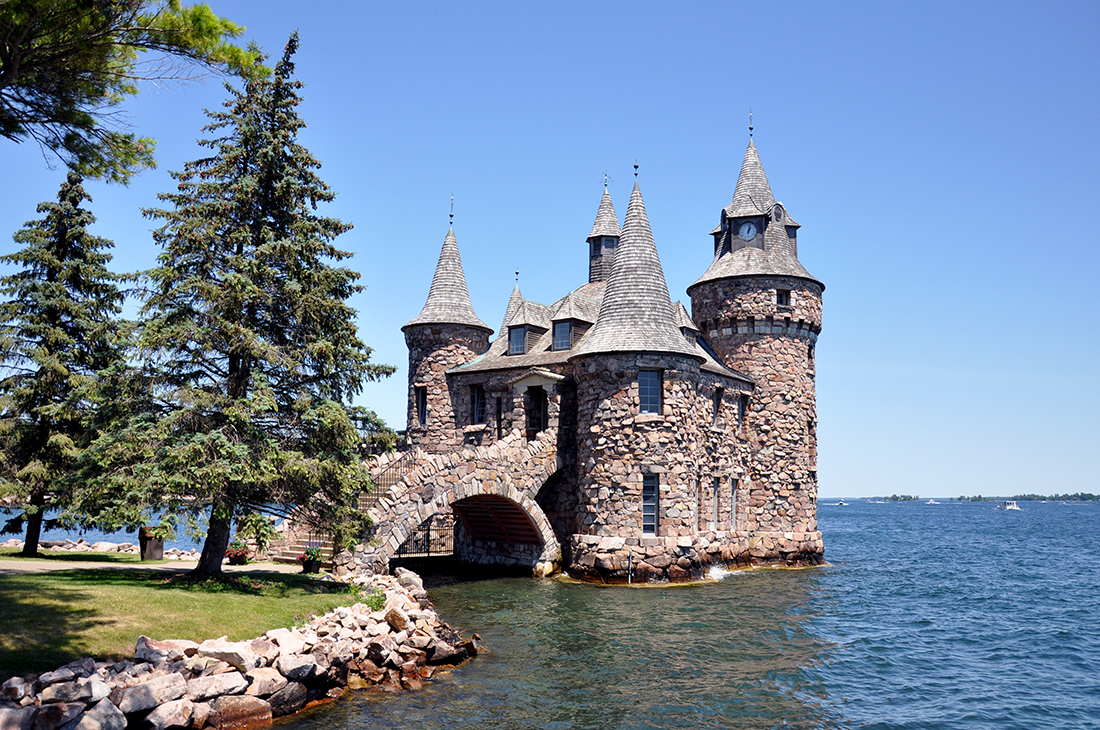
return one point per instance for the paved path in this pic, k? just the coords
(33, 565)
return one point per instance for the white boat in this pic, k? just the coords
(932, 501)
(1009, 505)
(841, 503)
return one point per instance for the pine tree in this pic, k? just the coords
(56, 325)
(251, 345)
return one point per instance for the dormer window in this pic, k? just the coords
(563, 335)
(517, 340)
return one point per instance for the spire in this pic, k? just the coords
(514, 303)
(448, 299)
(607, 223)
(753, 195)
(636, 314)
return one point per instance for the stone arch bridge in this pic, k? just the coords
(490, 489)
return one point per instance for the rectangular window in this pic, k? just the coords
(650, 486)
(649, 391)
(563, 335)
(783, 297)
(422, 405)
(500, 418)
(718, 395)
(517, 340)
(742, 407)
(595, 249)
(478, 398)
(717, 487)
(733, 503)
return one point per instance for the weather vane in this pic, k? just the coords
(517, 277)
(635, 168)
(750, 122)
(452, 209)
(606, 178)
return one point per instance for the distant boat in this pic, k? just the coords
(1009, 505)
(841, 503)
(932, 501)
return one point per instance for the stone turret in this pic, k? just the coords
(760, 311)
(447, 333)
(636, 378)
(603, 240)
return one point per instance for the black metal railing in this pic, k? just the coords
(393, 473)
(430, 540)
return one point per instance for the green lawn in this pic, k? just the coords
(52, 618)
(66, 556)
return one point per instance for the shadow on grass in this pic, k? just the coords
(52, 618)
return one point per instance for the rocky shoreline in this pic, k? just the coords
(83, 546)
(245, 684)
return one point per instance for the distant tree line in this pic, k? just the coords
(902, 498)
(1075, 497)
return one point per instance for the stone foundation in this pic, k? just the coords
(683, 559)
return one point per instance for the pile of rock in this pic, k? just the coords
(83, 546)
(244, 684)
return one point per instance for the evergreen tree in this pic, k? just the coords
(56, 325)
(250, 343)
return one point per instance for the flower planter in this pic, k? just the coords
(311, 566)
(238, 559)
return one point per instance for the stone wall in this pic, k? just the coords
(434, 349)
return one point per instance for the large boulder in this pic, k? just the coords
(239, 654)
(297, 667)
(216, 685)
(101, 716)
(240, 712)
(155, 652)
(289, 642)
(51, 717)
(21, 718)
(157, 691)
(14, 689)
(264, 681)
(176, 713)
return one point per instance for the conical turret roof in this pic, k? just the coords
(753, 195)
(514, 303)
(636, 314)
(607, 223)
(448, 299)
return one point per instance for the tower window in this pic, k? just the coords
(610, 242)
(649, 391)
(742, 406)
(717, 489)
(421, 405)
(733, 503)
(783, 297)
(478, 398)
(717, 408)
(563, 335)
(517, 340)
(538, 415)
(594, 248)
(650, 488)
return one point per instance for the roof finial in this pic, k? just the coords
(606, 179)
(635, 168)
(517, 277)
(452, 209)
(750, 122)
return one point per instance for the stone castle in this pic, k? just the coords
(615, 435)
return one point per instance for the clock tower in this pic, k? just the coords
(760, 310)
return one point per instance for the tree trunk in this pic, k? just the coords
(217, 540)
(34, 524)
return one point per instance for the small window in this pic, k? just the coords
(783, 297)
(733, 503)
(538, 412)
(563, 335)
(649, 391)
(610, 242)
(717, 488)
(650, 486)
(421, 405)
(717, 407)
(742, 406)
(517, 340)
(478, 410)
(500, 418)
(594, 250)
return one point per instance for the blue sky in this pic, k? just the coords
(942, 159)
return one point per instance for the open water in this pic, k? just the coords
(930, 616)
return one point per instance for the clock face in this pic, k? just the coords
(747, 230)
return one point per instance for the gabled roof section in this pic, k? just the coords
(753, 195)
(636, 314)
(448, 299)
(683, 319)
(533, 314)
(607, 223)
(574, 306)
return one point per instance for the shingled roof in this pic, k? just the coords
(514, 303)
(607, 223)
(636, 313)
(779, 257)
(448, 299)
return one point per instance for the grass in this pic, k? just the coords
(12, 553)
(52, 618)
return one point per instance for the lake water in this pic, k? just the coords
(930, 616)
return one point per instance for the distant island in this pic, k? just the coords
(902, 498)
(1076, 497)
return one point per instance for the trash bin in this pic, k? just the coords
(152, 548)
